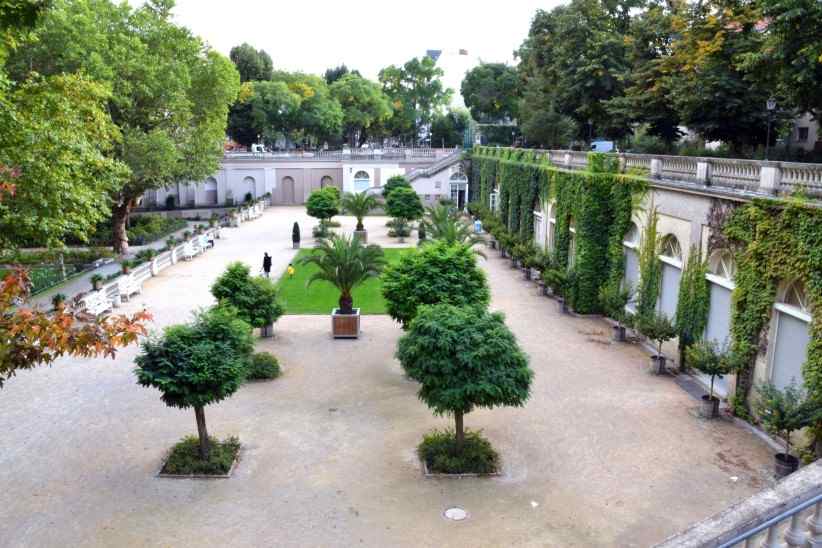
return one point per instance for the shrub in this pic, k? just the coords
(657, 327)
(404, 203)
(393, 183)
(248, 198)
(184, 458)
(57, 300)
(323, 204)
(263, 366)
(784, 411)
(439, 451)
(255, 299)
(295, 233)
(435, 273)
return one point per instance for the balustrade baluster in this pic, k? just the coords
(815, 527)
(772, 540)
(795, 535)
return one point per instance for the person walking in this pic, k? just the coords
(266, 265)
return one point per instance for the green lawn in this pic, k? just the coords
(321, 297)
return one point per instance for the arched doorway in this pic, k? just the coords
(210, 191)
(326, 181)
(288, 190)
(249, 189)
(459, 189)
(362, 181)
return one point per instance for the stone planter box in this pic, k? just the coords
(361, 235)
(345, 326)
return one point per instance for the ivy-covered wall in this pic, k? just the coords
(598, 202)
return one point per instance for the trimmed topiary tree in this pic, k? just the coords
(393, 183)
(323, 204)
(464, 358)
(404, 205)
(435, 273)
(255, 298)
(197, 364)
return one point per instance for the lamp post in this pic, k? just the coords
(770, 105)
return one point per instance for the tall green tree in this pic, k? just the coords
(252, 64)
(170, 93)
(319, 116)
(448, 129)
(417, 94)
(333, 74)
(364, 106)
(491, 92)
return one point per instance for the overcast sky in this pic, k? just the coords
(312, 35)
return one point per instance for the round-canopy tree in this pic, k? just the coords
(323, 204)
(404, 205)
(436, 273)
(197, 364)
(397, 181)
(254, 298)
(464, 357)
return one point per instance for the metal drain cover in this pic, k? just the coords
(455, 514)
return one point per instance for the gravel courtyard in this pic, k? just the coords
(603, 454)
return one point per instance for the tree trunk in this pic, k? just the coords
(199, 413)
(346, 303)
(460, 433)
(119, 219)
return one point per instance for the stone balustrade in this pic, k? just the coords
(737, 175)
(400, 153)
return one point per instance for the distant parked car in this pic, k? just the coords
(602, 146)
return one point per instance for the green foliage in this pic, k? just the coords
(444, 223)
(150, 228)
(441, 454)
(464, 358)
(263, 366)
(358, 204)
(614, 299)
(774, 242)
(323, 204)
(255, 299)
(364, 105)
(491, 91)
(197, 364)
(436, 273)
(345, 263)
(251, 64)
(556, 279)
(295, 232)
(404, 203)
(184, 458)
(694, 300)
(650, 269)
(394, 182)
(706, 357)
(657, 327)
(448, 129)
(783, 412)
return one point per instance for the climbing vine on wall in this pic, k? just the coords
(774, 242)
(599, 203)
(650, 269)
(693, 303)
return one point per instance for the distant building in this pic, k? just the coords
(454, 63)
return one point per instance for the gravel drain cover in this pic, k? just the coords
(455, 514)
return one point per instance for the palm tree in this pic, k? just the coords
(345, 263)
(358, 204)
(443, 223)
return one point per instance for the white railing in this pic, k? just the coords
(345, 154)
(788, 514)
(444, 162)
(748, 176)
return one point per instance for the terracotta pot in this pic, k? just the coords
(345, 326)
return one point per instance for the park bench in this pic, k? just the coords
(189, 251)
(96, 303)
(128, 286)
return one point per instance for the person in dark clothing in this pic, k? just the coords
(267, 265)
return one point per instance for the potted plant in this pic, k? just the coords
(58, 300)
(323, 204)
(404, 205)
(614, 299)
(659, 328)
(704, 356)
(783, 412)
(96, 281)
(171, 241)
(126, 266)
(556, 279)
(345, 263)
(187, 235)
(529, 257)
(295, 235)
(359, 204)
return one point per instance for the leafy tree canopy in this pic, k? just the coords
(363, 103)
(448, 130)
(491, 91)
(254, 298)
(437, 273)
(323, 204)
(393, 182)
(252, 64)
(404, 203)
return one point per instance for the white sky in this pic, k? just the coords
(312, 35)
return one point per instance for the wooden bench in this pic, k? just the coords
(97, 302)
(128, 286)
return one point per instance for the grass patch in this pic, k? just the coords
(321, 297)
(184, 458)
(263, 367)
(439, 451)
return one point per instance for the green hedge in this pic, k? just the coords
(150, 228)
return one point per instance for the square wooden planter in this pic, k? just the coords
(345, 326)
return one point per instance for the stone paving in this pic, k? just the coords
(602, 455)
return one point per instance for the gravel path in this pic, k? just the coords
(602, 455)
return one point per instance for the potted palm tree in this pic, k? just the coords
(345, 263)
(359, 204)
(783, 412)
(658, 328)
(704, 356)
